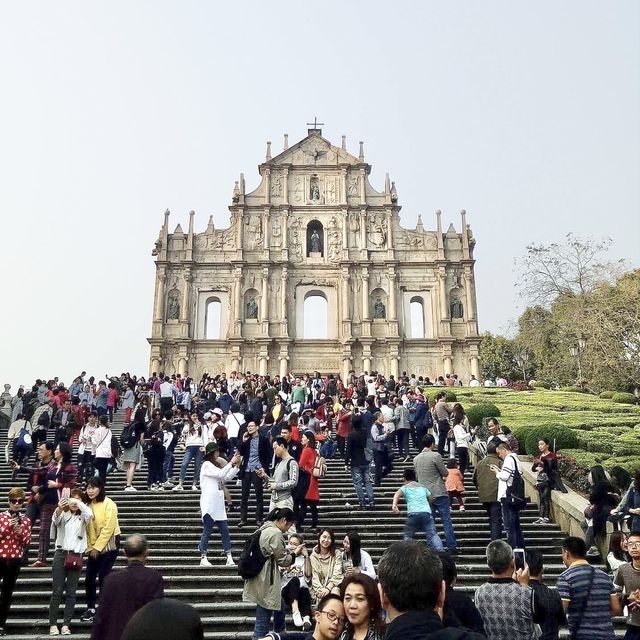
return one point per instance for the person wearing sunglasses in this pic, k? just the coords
(15, 535)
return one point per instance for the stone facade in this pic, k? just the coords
(315, 226)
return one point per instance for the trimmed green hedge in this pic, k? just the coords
(480, 412)
(451, 396)
(529, 436)
(607, 395)
(623, 398)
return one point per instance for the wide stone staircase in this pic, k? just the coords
(171, 522)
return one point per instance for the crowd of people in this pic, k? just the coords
(274, 436)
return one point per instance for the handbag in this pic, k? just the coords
(73, 561)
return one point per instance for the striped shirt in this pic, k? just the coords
(592, 618)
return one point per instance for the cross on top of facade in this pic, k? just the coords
(315, 124)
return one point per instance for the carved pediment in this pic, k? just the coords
(314, 150)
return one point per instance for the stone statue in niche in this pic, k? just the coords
(315, 241)
(377, 234)
(314, 189)
(173, 306)
(252, 309)
(456, 307)
(379, 311)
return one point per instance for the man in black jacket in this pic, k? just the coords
(413, 594)
(126, 591)
(256, 455)
(355, 460)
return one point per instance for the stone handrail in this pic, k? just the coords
(567, 509)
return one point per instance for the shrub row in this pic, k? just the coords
(529, 436)
(480, 412)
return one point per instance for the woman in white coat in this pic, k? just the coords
(212, 479)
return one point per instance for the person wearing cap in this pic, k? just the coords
(212, 479)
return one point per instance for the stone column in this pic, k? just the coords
(393, 312)
(345, 229)
(240, 229)
(182, 366)
(363, 229)
(235, 364)
(469, 310)
(366, 362)
(474, 363)
(343, 187)
(265, 229)
(346, 367)
(159, 310)
(365, 293)
(284, 366)
(394, 366)
(285, 185)
(236, 321)
(389, 231)
(284, 317)
(444, 305)
(285, 229)
(264, 306)
(184, 310)
(263, 365)
(267, 184)
(447, 362)
(155, 366)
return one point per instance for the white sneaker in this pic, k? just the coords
(130, 488)
(53, 631)
(297, 619)
(168, 485)
(194, 487)
(230, 562)
(65, 631)
(178, 487)
(306, 623)
(204, 562)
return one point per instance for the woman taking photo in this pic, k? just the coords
(548, 479)
(15, 537)
(354, 558)
(70, 519)
(193, 432)
(359, 593)
(103, 542)
(326, 566)
(312, 497)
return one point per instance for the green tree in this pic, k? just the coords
(497, 356)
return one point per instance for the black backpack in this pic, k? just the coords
(128, 438)
(252, 560)
(299, 492)
(516, 496)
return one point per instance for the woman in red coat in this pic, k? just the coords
(307, 462)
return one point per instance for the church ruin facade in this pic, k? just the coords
(235, 299)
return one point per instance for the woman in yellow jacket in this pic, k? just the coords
(103, 542)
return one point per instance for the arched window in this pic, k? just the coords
(315, 238)
(417, 317)
(212, 319)
(316, 320)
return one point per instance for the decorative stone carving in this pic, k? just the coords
(331, 191)
(253, 231)
(379, 310)
(353, 190)
(173, 305)
(298, 190)
(276, 185)
(377, 231)
(334, 245)
(252, 309)
(314, 189)
(276, 232)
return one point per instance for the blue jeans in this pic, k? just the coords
(442, 507)
(511, 521)
(361, 478)
(423, 521)
(167, 466)
(223, 528)
(263, 622)
(191, 453)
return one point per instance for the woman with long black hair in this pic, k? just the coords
(354, 558)
(602, 500)
(312, 498)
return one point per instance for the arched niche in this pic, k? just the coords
(329, 293)
(206, 314)
(213, 316)
(378, 304)
(316, 316)
(315, 238)
(416, 318)
(251, 305)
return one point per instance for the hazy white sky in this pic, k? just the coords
(525, 114)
